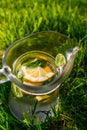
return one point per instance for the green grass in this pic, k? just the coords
(23, 17)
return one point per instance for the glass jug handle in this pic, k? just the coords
(3, 78)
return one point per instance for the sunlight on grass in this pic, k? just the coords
(21, 18)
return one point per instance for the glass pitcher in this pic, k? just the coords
(32, 96)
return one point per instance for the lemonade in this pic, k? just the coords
(34, 69)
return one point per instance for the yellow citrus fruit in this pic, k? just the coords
(37, 75)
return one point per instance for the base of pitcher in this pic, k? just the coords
(39, 116)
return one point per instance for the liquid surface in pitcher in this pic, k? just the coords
(34, 69)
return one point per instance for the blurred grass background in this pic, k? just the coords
(23, 17)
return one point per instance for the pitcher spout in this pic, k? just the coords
(72, 53)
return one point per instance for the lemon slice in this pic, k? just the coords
(37, 74)
(60, 60)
